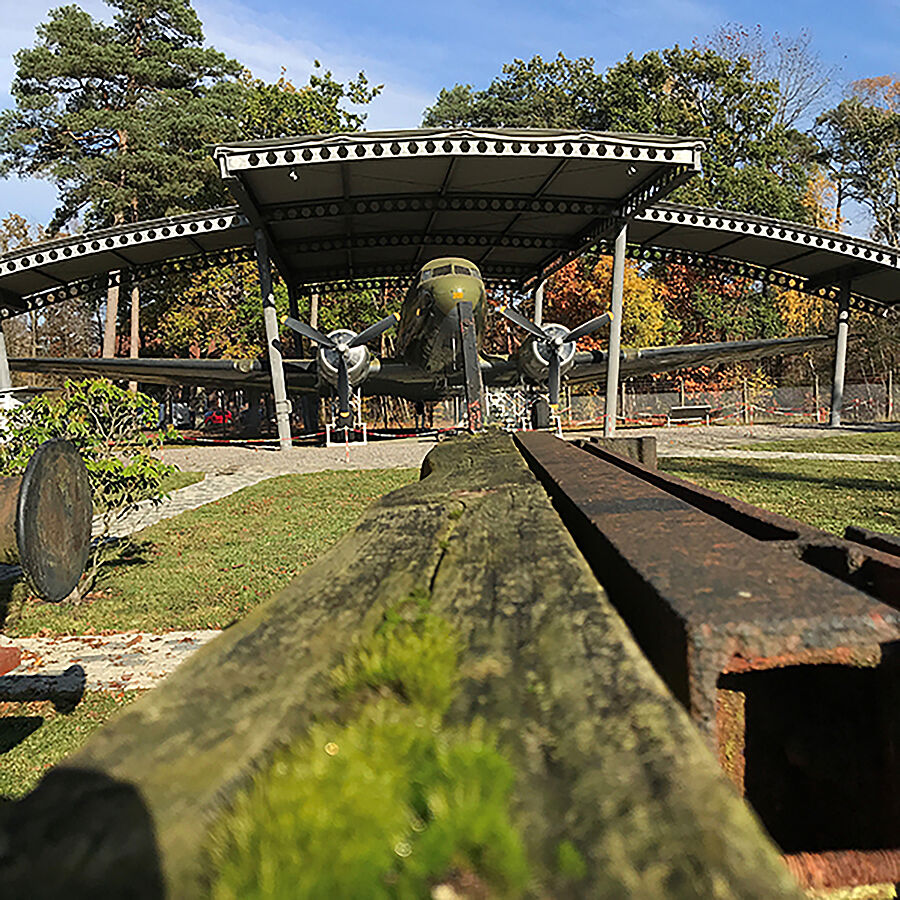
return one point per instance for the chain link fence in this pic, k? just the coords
(863, 402)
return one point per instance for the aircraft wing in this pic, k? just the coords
(229, 374)
(397, 378)
(592, 364)
(392, 377)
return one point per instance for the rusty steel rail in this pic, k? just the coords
(865, 559)
(775, 637)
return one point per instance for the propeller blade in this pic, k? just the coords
(343, 386)
(309, 332)
(587, 327)
(373, 331)
(522, 322)
(553, 379)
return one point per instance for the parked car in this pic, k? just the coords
(216, 416)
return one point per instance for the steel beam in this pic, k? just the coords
(840, 354)
(783, 656)
(282, 404)
(615, 332)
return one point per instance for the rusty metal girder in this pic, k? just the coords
(791, 673)
(865, 559)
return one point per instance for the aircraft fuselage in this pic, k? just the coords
(428, 333)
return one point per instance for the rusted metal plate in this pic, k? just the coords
(9, 498)
(790, 672)
(53, 519)
(887, 543)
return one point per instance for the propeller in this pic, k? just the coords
(342, 348)
(553, 343)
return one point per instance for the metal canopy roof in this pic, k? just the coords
(785, 253)
(356, 205)
(368, 205)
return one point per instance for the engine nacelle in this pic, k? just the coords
(359, 361)
(534, 356)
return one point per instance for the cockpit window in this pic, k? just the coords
(463, 270)
(442, 270)
(426, 275)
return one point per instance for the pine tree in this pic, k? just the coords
(120, 116)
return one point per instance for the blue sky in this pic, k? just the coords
(415, 48)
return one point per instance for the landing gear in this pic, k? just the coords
(349, 427)
(540, 413)
(474, 386)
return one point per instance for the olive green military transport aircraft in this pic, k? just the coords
(428, 363)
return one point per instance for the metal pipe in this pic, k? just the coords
(840, 354)
(615, 332)
(276, 365)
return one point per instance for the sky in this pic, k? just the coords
(416, 48)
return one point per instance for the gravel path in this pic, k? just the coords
(225, 459)
(693, 440)
(109, 662)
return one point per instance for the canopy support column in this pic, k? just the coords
(615, 332)
(5, 379)
(539, 304)
(270, 317)
(840, 354)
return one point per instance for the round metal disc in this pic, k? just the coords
(53, 519)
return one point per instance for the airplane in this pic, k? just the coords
(428, 364)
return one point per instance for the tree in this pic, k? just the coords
(751, 162)
(582, 289)
(804, 80)
(561, 93)
(120, 116)
(108, 427)
(280, 109)
(219, 313)
(860, 139)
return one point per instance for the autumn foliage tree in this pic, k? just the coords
(582, 289)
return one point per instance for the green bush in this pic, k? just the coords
(110, 428)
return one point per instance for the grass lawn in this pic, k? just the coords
(34, 736)
(866, 442)
(179, 479)
(208, 567)
(828, 495)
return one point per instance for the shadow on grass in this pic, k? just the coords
(122, 554)
(14, 730)
(748, 472)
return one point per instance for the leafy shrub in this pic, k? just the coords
(109, 428)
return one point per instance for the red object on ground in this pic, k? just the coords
(10, 657)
